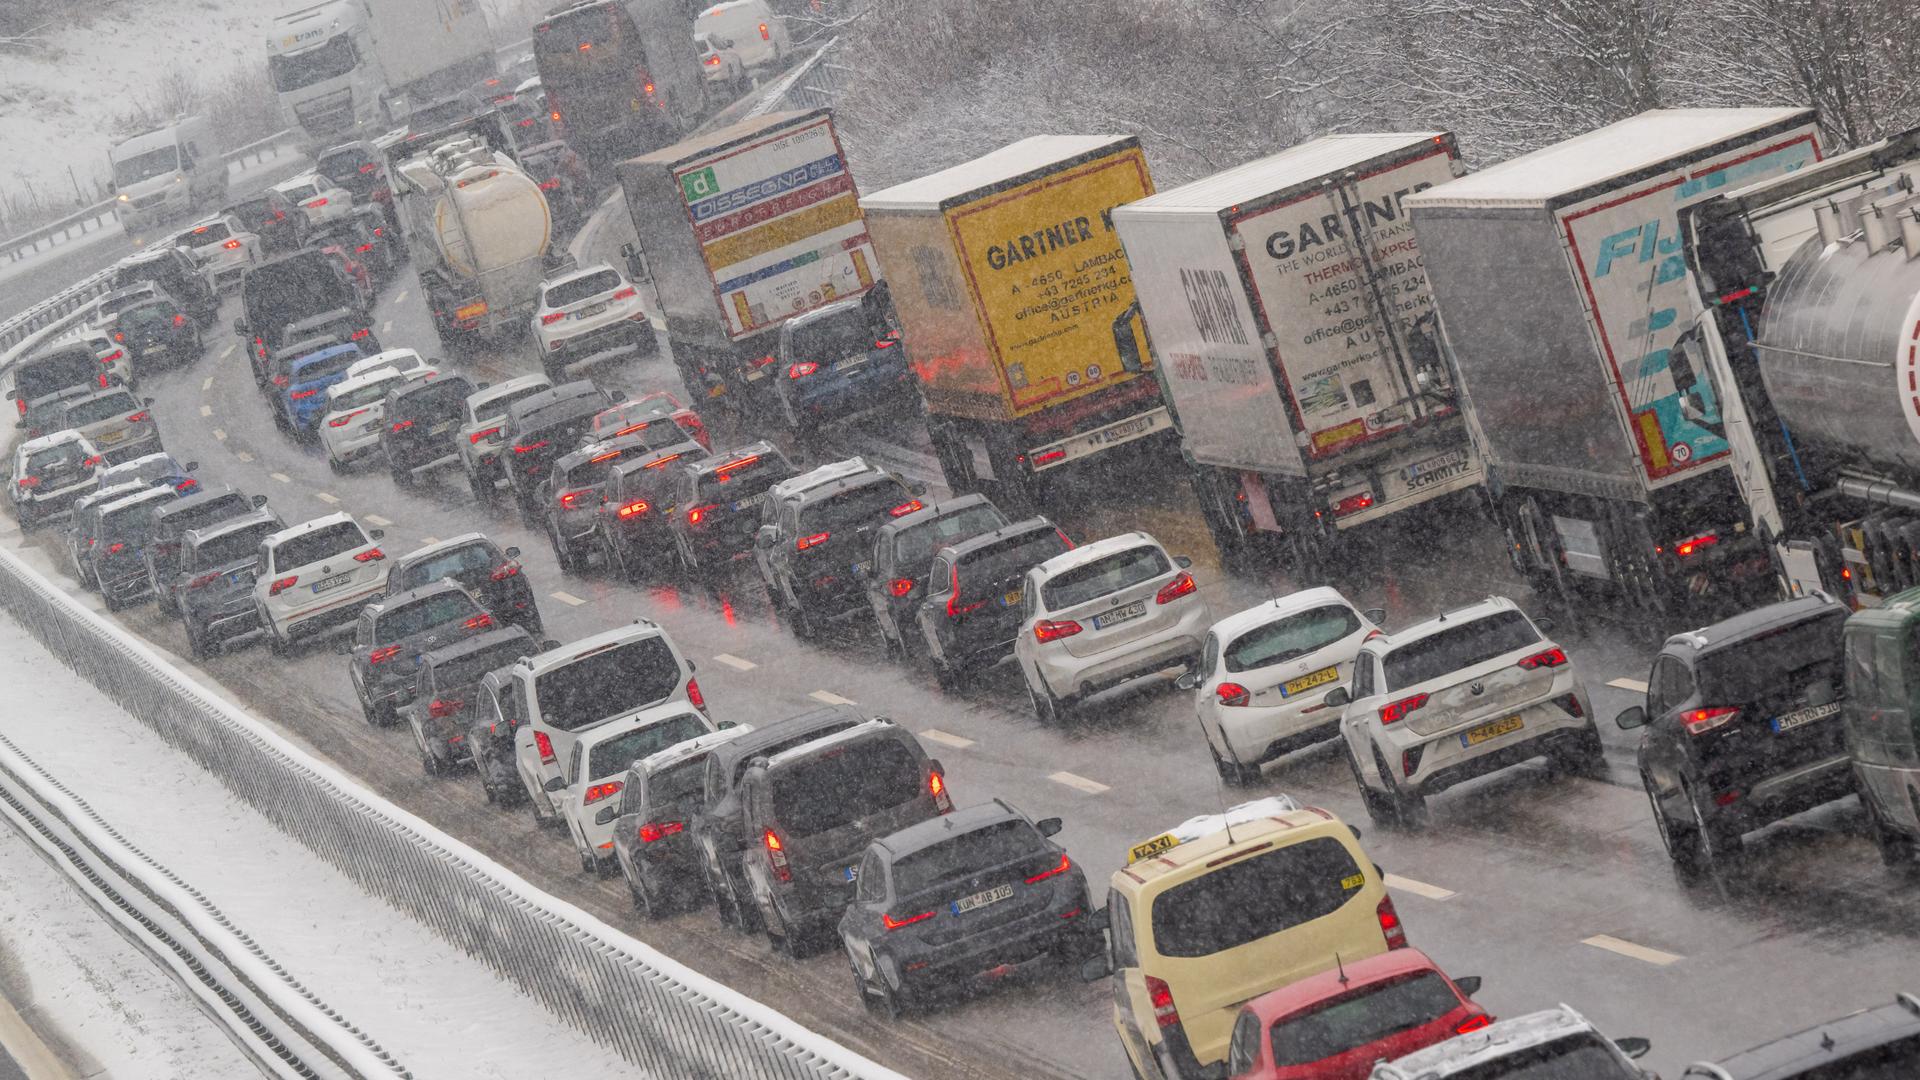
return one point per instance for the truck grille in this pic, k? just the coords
(330, 113)
(145, 201)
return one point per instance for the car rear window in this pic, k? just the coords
(56, 458)
(1749, 669)
(867, 504)
(474, 556)
(1365, 1016)
(752, 476)
(419, 616)
(211, 233)
(601, 685)
(914, 546)
(1576, 1057)
(843, 785)
(131, 520)
(361, 396)
(227, 547)
(100, 408)
(967, 854)
(253, 213)
(1255, 897)
(1008, 557)
(45, 375)
(677, 783)
(1295, 635)
(437, 399)
(569, 292)
(487, 410)
(473, 667)
(324, 367)
(615, 754)
(1104, 576)
(298, 192)
(149, 315)
(205, 513)
(833, 337)
(1457, 647)
(309, 548)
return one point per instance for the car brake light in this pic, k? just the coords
(892, 923)
(186, 485)
(764, 35)
(402, 425)
(694, 696)
(1701, 721)
(802, 369)
(202, 580)
(699, 513)
(1047, 456)
(1551, 658)
(545, 185)
(627, 293)
(1396, 934)
(505, 571)
(571, 499)
(1160, 995)
(815, 540)
(315, 204)
(279, 380)
(231, 245)
(1473, 1023)
(637, 506)
(912, 506)
(382, 655)
(479, 622)
(179, 320)
(937, 787)
(713, 61)
(1397, 711)
(654, 831)
(341, 421)
(370, 555)
(1175, 589)
(954, 606)
(1694, 543)
(112, 356)
(600, 791)
(359, 334)
(93, 462)
(282, 585)
(760, 361)
(901, 586)
(488, 433)
(1353, 504)
(29, 482)
(297, 395)
(441, 708)
(777, 855)
(1048, 630)
(530, 447)
(1232, 694)
(116, 548)
(1052, 871)
(140, 417)
(543, 744)
(552, 317)
(363, 249)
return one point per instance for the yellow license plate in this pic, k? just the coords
(1489, 731)
(1013, 597)
(471, 311)
(1163, 842)
(1309, 681)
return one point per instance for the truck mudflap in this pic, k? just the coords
(1428, 475)
(1087, 443)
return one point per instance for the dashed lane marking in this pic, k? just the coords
(206, 410)
(330, 500)
(218, 434)
(1078, 783)
(207, 383)
(386, 327)
(400, 297)
(1629, 949)
(944, 738)
(567, 598)
(735, 662)
(1634, 685)
(828, 697)
(282, 477)
(229, 352)
(377, 521)
(1417, 888)
(243, 455)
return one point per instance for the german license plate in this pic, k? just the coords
(850, 363)
(333, 582)
(589, 312)
(1309, 681)
(1013, 597)
(982, 899)
(1481, 734)
(748, 503)
(1805, 716)
(1120, 614)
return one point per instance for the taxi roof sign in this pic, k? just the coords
(1207, 824)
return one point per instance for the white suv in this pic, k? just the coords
(1457, 696)
(316, 574)
(1104, 614)
(589, 314)
(482, 430)
(355, 408)
(596, 770)
(221, 247)
(557, 695)
(1264, 675)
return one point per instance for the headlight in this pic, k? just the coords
(123, 197)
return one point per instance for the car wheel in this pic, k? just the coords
(336, 465)
(588, 864)
(1232, 773)
(1714, 842)
(1582, 755)
(1379, 810)
(196, 641)
(1409, 807)
(1046, 708)
(689, 562)
(276, 646)
(1682, 850)
(643, 901)
(781, 941)
(430, 765)
(744, 905)
(482, 489)
(1897, 850)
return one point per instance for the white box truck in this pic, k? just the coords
(347, 69)
(1287, 302)
(1562, 288)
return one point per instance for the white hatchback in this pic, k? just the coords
(221, 247)
(1265, 672)
(482, 429)
(589, 314)
(319, 198)
(355, 406)
(316, 574)
(1458, 696)
(596, 770)
(1105, 614)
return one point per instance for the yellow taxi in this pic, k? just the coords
(1223, 908)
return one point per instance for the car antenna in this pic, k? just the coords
(1342, 969)
(1225, 817)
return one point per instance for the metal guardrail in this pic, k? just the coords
(654, 1012)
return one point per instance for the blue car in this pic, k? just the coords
(303, 400)
(838, 360)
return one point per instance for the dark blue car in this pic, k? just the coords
(303, 401)
(840, 359)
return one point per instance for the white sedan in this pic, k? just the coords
(589, 314)
(319, 198)
(355, 407)
(1264, 675)
(596, 768)
(222, 247)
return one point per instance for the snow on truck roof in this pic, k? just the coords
(700, 146)
(1011, 164)
(1290, 168)
(1617, 150)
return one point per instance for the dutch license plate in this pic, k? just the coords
(1309, 681)
(850, 363)
(1473, 736)
(1120, 614)
(982, 899)
(110, 437)
(333, 582)
(1803, 717)
(1435, 469)
(1013, 597)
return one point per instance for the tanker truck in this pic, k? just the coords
(1807, 335)
(477, 228)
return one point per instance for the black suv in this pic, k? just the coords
(217, 566)
(1743, 727)
(447, 701)
(632, 527)
(421, 418)
(719, 822)
(174, 271)
(359, 168)
(972, 611)
(577, 488)
(717, 504)
(658, 796)
(903, 550)
(818, 537)
(297, 297)
(539, 429)
(281, 226)
(494, 577)
(205, 507)
(1881, 1043)
(811, 810)
(393, 632)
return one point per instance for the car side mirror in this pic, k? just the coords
(726, 725)
(766, 537)
(512, 553)
(1097, 967)
(1629, 719)
(1544, 624)
(146, 401)
(1049, 826)
(259, 501)
(1357, 834)
(1184, 562)
(378, 534)
(10, 394)
(345, 647)
(1633, 1046)
(557, 783)
(1337, 698)
(917, 488)
(240, 327)
(193, 466)
(1375, 615)
(1468, 984)
(1188, 681)
(606, 815)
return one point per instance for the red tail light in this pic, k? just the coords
(1550, 659)
(22, 403)
(552, 317)
(901, 586)
(699, 513)
(1063, 538)
(93, 462)
(341, 421)
(713, 61)
(545, 185)
(315, 204)
(279, 380)
(186, 485)
(1048, 456)
(764, 35)
(600, 791)
(29, 482)
(282, 585)
(368, 168)
(179, 320)
(1390, 924)
(545, 745)
(571, 499)
(802, 369)
(204, 579)
(954, 606)
(297, 395)
(231, 245)
(627, 293)
(913, 506)
(442, 708)
(112, 356)
(1049, 630)
(370, 555)
(1397, 711)
(487, 433)
(1701, 721)
(1694, 543)
(777, 856)
(1053, 871)
(140, 417)
(505, 571)
(116, 548)
(937, 787)
(1473, 1023)
(694, 696)
(530, 447)
(381, 656)
(401, 425)
(1232, 694)
(815, 540)
(1353, 504)
(479, 622)
(363, 249)
(892, 923)
(1175, 589)
(637, 506)
(1160, 996)
(652, 831)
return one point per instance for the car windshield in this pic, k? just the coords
(677, 783)
(311, 547)
(446, 564)
(1254, 897)
(422, 615)
(228, 547)
(606, 683)
(1365, 1016)
(577, 289)
(867, 505)
(211, 233)
(487, 410)
(965, 855)
(1104, 576)
(1576, 1057)
(1458, 647)
(1007, 558)
(1749, 669)
(1296, 635)
(843, 785)
(145, 165)
(913, 547)
(832, 337)
(361, 396)
(296, 71)
(94, 410)
(616, 754)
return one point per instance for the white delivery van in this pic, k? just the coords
(167, 173)
(750, 29)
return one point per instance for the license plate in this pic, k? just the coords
(111, 437)
(333, 582)
(853, 873)
(156, 349)
(1013, 597)
(239, 577)
(850, 363)
(749, 503)
(982, 899)
(441, 428)
(1307, 682)
(589, 312)
(1435, 470)
(1481, 734)
(1120, 615)
(1805, 716)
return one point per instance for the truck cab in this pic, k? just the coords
(320, 59)
(165, 173)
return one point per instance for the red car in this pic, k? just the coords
(1337, 1024)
